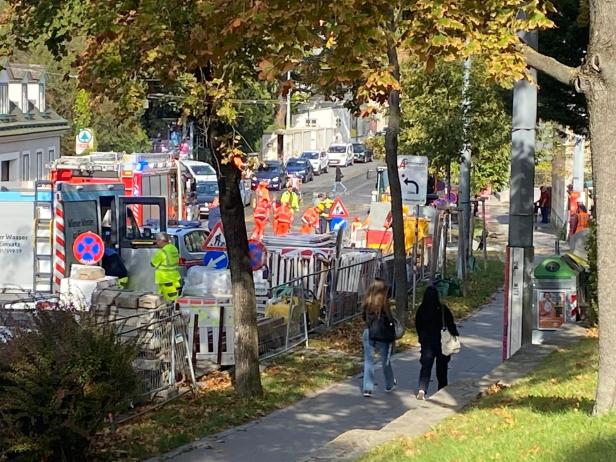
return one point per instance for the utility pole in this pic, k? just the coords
(288, 118)
(520, 251)
(465, 182)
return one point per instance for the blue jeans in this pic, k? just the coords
(385, 351)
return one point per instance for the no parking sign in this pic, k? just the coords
(88, 248)
(257, 254)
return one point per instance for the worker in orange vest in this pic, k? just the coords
(310, 220)
(283, 217)
(261, 216)
(262, 192)
(582, 218)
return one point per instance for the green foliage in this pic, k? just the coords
(377, 144)
(82, 115)
(592, 313)
(438, 132)
(58, 383)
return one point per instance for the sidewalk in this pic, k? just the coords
(293, 433)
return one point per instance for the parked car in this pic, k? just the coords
(340, 154)
(201, 171)
(273, 173)
(207, 191)
(318, 160)
(361, 153)
(189, 238)
(301, 168)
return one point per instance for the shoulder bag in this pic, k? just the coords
(450, 344)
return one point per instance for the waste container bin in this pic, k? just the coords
(554, 293)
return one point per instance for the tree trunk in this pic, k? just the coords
(247, 376)
(600, 79)
(391, 159)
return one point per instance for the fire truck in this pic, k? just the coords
(41, 220)
(141, 174)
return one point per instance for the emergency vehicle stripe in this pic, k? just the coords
(60, 263)
(136, 207)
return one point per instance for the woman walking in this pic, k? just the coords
(431, 318)
(379, 334)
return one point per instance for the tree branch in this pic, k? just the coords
(550, 66)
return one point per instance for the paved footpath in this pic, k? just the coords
(292, 433)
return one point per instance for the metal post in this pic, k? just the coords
(521, 211)
(180, 186)
(288, 117)
(578, 164)
(484, 234)
(415, 255)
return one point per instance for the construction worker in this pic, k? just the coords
(582, 218)
(310, 220)
(262, 192)
(112, 263)
(324, 204)
(165, 263)
(291, 199)
(283, 217)
(261, 216)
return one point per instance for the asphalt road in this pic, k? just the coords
(360, 180)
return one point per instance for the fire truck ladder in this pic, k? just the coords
(43, 237)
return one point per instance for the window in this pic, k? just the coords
(24, 97)
(5, 169)
(52, 155)
(25, 167)
(195, 241)
(4, 98)
(39, 165)
(42, 102)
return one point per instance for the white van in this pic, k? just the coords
(341, 154)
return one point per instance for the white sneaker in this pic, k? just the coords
(389, 390)
(421, 395)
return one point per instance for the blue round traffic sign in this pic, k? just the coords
(257, 254)
(88, 248)
(216, 259)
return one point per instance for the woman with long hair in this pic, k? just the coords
(431, 318)
(379, 334)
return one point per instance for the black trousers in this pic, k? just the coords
(429, 353)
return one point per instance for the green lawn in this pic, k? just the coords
(546, 417)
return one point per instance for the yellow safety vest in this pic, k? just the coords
(165, 261)
(291, 199)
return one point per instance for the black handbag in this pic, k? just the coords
(382, 329)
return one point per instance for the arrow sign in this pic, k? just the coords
(216, 259)
(413, 173)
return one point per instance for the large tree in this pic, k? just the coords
(438, 132)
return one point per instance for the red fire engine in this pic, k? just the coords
(142, 174)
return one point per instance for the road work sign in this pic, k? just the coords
(338, 209)
(413, 173)
(216, 239)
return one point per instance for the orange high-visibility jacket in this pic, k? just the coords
(311, 216)
(582, 221)
(283, 214)
(262, 211)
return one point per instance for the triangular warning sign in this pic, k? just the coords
(216, 239)
(338, 209)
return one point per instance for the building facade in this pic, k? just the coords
(30, 131)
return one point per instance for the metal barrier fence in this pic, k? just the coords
(163, 362)
(284, 325)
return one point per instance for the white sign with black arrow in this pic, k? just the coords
(413, 173)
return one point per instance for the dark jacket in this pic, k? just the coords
(113, 264)
(376, 328)
(339, 175)
(429, 322)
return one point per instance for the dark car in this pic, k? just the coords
(302, 168)
(272, 173)
(206, 192)
(361, 153)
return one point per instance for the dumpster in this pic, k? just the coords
(554, 295)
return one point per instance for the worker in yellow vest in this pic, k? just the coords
(166, 271)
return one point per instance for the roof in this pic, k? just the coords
(33, 121)
(17, 72)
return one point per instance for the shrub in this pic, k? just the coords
(58, 382)
(592, 313)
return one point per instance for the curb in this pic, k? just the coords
(353, 444)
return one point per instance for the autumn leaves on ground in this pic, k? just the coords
(332, 357)
(546, 417)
